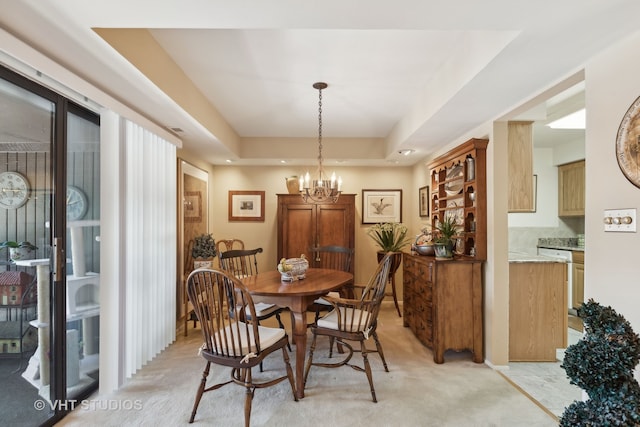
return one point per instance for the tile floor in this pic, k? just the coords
(546, 382)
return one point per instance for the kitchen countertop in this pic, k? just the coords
(563, 248)
(525, 257)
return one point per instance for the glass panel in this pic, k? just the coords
(83, 268)
(26, 134)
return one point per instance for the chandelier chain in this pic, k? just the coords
(320, 159)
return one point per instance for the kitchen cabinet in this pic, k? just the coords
(459, 188)
(303, 225)
(577, 278)
(571, 189)
(442, 303)
(538, 321)
(520, 154)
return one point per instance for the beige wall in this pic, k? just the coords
(612, 270)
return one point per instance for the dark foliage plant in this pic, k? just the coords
(602, 363)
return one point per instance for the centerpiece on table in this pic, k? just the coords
(293, 269)
(203, 251)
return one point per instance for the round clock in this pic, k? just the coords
(76, 203)
(628, 144)
(14, 190)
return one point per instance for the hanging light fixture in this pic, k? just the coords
(321, 189)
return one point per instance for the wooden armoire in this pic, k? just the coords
(303, 225)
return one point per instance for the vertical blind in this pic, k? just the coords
(150, 244)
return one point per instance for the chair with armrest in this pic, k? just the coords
(220, 301)
(243, 263)
(336, 258)
(354, 320)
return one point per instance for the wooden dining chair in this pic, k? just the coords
(224, 245)
(243, 263)
(335, 258)
(220, 301)
(354, 320)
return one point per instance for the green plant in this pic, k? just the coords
(204, 247)
(14, 244)
(389, 236)
(602, 363)
(446, 229)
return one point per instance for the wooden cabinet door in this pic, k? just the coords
(571, 189)
(297, 229)
(335, 225)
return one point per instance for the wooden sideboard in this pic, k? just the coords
(443, 304)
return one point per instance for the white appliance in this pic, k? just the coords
(568, 257)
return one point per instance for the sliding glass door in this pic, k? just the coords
(49, 265)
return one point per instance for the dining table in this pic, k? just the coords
(268, 287)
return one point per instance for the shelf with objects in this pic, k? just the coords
(458, 180)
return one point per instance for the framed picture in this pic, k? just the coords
(423, 201)
(381, 206)
(246, 205)
(193, 206)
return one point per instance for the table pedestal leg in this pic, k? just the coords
(300, 340)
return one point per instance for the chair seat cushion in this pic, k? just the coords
(268, 337)
(263, 309)
(330, 320)
(324, 301)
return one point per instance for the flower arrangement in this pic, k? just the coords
(389, 236)
(204, 247)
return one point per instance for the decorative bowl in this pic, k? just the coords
(292, 269)
(425, 249)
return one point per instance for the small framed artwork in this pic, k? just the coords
(192, 206)
(423, 201)
(246, 205)
(381, 206)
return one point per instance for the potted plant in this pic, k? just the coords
(602, 363)
(203, 251)
(446, 230)
(389, 236)
(19, 250)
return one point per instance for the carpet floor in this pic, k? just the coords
(416, 392)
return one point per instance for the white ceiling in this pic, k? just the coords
(408, 74)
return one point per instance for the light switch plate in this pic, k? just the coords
(620, 220)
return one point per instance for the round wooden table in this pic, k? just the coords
(268, 288)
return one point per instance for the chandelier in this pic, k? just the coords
(321, 189)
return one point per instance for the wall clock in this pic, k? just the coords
(628, 144)
(14, 190)
(77, 203)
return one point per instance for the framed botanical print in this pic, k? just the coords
(381, 206)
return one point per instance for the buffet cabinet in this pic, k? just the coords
(304, 225)
(443, 304)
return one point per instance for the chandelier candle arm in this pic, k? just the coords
(321, 189)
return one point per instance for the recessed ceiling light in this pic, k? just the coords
(229, 161)
(406, 152)
(283, 161)
(575, 120)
